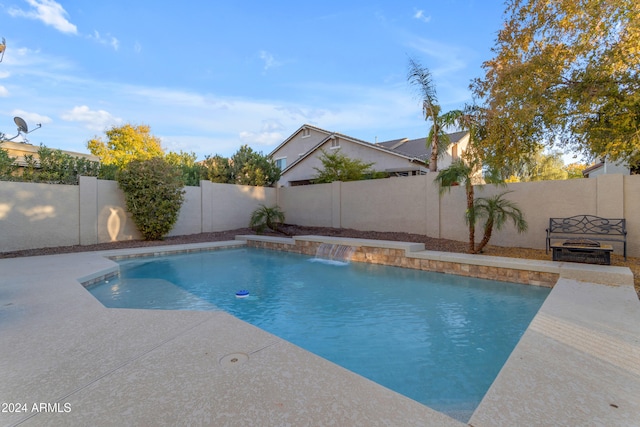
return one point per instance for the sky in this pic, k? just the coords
(209, 77)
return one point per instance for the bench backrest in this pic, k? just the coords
(587, 224)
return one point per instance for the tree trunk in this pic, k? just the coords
(433, 161)
(488, 229)
(472, 219)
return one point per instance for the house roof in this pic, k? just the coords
(21, 149)
(304, 126)
(331, 135)
(592, 168)
(418, 147)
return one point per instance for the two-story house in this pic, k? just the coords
(298, 156)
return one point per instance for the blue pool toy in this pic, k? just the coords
(242, 293)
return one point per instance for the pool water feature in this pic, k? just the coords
(438, 339)
(334, 252)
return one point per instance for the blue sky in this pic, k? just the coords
(208, 77)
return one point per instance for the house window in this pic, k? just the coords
(335, 143)
(281, 163)
(305, 133)
(454, 151)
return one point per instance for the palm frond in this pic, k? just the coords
(458, 173)
(420, 77)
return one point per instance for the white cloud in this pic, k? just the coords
(108, 40)
(419, 15)
(32, 118)
(271, 133)
(49, 12)
(262, 138)
(4, 92)
(137, 47)
(269, 60)
(97, 120)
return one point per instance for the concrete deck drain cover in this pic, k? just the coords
(233, 359)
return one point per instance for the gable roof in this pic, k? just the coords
(293, 135)
(592, 168)
(418, 147)
(331, 135)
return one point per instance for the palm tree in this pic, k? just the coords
(497, 211)
(265, 217)
(461, 173)
(421, 77)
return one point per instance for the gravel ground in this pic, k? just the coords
(430, 243)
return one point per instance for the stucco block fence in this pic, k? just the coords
(43, 215)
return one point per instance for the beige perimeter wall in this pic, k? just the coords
(41, 215)
(413, 205)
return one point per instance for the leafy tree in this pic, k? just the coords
(125, 144)
(496, 212)
(191, 171)
(7, 166)
(463, 171)
(245, 167)
(338, 167)
(420, 77)
(252, 168)
(265, 217)
(540, 167)
(547, 167)
(108, 172)
(154, 193)
(218, 169)
(564, 72)
(574, 170)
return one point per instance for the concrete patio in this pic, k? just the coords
(577, 364)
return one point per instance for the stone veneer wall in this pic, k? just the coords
(398, 258)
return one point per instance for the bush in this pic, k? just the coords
(265, 217)
(7, 166)
(53, 167)
(154, 194)
(338, 167)
(190, 171)
(252, 168)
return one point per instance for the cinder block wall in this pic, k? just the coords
(414, 205)
(42, 215)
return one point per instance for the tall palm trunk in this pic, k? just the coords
(433, 161)
(472, 220)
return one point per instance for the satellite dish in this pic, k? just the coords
(22, 125)
(22, 129)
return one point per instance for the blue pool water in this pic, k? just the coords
(436, 338)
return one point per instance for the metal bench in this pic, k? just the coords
(588, 227)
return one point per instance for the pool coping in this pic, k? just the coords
(497, 268)
(574, 364)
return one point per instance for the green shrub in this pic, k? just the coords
(265, 217)
(338, 167)
(54, 167)
(108, 172)
(191, 171)
(154, 194)
(7, 166)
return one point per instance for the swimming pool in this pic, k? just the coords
(436, 338)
